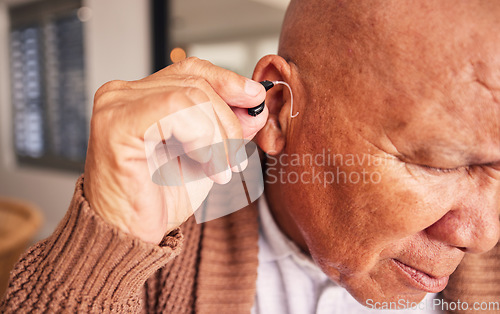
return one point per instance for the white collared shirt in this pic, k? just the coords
(289, 282)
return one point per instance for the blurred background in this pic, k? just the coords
(54, 55)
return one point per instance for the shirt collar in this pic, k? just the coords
(275, 245)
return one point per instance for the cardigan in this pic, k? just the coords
(88, 265)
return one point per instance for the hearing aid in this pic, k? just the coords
(255, 111)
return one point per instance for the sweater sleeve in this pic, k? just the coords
(86, 265)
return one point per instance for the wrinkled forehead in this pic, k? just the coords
(442, 91)
(427, 74)
(439, 75)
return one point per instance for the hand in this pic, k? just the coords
(118, 184)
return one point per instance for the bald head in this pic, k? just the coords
(348, 32)
(398, 59)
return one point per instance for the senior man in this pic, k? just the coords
(410, 89)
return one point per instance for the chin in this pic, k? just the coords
(396, 301)
(382, 287)
(371, 296)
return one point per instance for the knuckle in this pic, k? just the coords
(192, 62)
(193, 81)
(198, 82)
(196, 95)
(106, 98)
(174, 97)
(112, 85)
(175, 100)
(204, 63)
(107, 87)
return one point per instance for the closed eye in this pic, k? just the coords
(436, 170)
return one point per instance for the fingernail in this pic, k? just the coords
(252, 88)
(222, 177)
(241, 160)
(206, 154)
(226, 177)
(241, 155)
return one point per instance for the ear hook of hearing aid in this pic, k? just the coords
(268, 85)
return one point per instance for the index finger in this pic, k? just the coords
(236, 90)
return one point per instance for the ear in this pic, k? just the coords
(272, 137)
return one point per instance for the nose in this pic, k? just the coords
(473, 225)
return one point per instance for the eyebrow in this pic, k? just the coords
(452, 155)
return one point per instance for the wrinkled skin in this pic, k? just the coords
(416, 88)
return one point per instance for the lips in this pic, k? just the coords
(421, 280)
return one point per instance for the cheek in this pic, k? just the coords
(348, 223)
(397, 207)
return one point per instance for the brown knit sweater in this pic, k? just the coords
(89, 266)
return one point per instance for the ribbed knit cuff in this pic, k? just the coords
(88, 264)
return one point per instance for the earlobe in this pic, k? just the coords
(272, 139)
